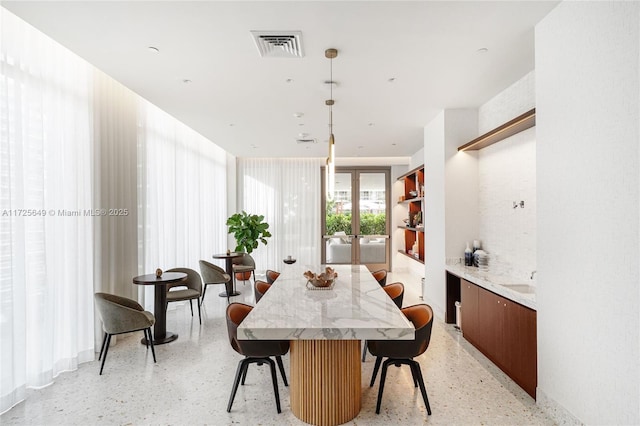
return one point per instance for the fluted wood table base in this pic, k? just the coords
(326, 381)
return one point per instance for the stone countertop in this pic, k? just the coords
(495, 283)
(356, 308)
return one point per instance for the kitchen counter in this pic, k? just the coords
(498, 284)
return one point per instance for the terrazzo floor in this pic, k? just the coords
(191, 382)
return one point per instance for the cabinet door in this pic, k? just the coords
(521, 346)
(469, 300)
(491, 313)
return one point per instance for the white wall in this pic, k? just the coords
(450, 197)
(507, 173)
(587, 86)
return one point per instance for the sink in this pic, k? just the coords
(521, 288)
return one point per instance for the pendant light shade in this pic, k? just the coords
(330, 169)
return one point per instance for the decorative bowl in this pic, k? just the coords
(322, 280)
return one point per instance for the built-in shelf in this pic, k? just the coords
(411, 229)
(413, 183)
(411, 200)
(510, 128)
(410, 256)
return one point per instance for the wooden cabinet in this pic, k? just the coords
(413, 198)
(469, 310)
(504, 331)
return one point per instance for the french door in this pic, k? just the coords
(356, 221)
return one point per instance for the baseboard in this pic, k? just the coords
(553, 409)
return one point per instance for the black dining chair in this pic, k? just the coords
(380, 276)
(400, 352)
(396, 292)
(272, 276)
(254, 351)
(260, 288)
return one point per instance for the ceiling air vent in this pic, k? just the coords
(278, 44)
(303, 141)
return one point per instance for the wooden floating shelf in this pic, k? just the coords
(408, 228)
(410, 256)
(411, 172)
(411, 200)
(510, 128)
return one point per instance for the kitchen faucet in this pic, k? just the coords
(533, 273)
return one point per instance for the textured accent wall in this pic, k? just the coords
(507, 173)
(588, 128)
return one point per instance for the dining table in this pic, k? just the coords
(325, 328)
(160, 333)
(228, 263)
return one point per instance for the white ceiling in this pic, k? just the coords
(244, 103)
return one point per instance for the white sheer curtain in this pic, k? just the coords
(46, 260)
(287, 192)
(182, 193)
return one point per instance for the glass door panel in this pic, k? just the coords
(338, 234)
(373, 235)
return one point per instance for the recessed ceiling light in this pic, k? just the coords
(303, 135)
(231, 124)
(289, 80)
(153, 49)
(300, 124)
(393, 144)
(186, 81)
(483, 50)
(371, 124)
(298, 114)
(392, 80)
(360, 146)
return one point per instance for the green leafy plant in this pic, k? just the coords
(249, 230)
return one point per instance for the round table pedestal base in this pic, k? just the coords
(233, 293)
(168, 337)
(326, 384)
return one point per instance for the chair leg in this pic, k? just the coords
(364, 351)
(242, 365)
(203, 293)
(106, 350)
(385, 365)
(199, 314)
(244, 376)
(274, 378)
(191, 305)
(416, 365)
(281, 367)
(150, 341)
(414, 374)
(104, 340)
(375, 370)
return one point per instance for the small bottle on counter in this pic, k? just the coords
(468, 256)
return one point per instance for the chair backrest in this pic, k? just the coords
(236, 313)
(213, 274)
(260, 288)
(422, 318)
(395, 292)
(120, 314)
(272, 276)
(380, 276)
(193, 281)
(245, 260)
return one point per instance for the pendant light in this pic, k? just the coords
(330, 168)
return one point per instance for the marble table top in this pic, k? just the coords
(356, 308)
(498, 284)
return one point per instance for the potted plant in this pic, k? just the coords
(249, 230)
